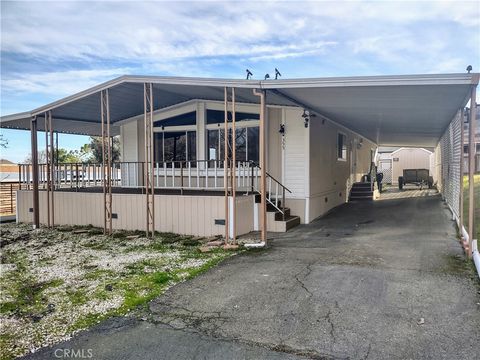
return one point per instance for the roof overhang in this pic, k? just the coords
(406, 110)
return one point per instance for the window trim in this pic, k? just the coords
(238, 124)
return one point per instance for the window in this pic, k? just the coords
(218, 117)
(175, 146)
(253, 142)
(213, 144)
(246, 143)
(341, 146)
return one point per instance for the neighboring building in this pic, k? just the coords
(392, 161)
(466, 141)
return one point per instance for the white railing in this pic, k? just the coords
(195, 175)
(201, 174)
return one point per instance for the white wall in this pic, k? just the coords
(330, 178)
(411, 158)
(307, 164)
(295, 154)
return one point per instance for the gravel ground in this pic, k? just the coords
(55, 283)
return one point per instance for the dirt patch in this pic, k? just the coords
(57, 282)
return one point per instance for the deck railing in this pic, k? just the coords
(199, 174)
(195, 175)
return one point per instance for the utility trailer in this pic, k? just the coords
(418, 177)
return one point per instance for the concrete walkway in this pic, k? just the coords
(381, 280)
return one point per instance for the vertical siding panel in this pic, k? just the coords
(191, 223)
(200, 209)
(165, 210)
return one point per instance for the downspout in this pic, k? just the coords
(263, 207)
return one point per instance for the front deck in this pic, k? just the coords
(189, 197)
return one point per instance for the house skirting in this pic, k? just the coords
(182, 214)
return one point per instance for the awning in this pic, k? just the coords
(407, 110)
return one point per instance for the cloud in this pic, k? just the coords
(63, 82)
(156, 31)
(57, 48)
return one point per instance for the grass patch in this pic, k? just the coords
(466, 200)
(27, 293)
(99, 274)
(192, 272)
(458, 265)
(169, 238)
(76, 296)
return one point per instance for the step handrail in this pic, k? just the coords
(274, 201)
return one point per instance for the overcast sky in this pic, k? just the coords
(53, 49)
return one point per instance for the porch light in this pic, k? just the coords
(306, 118)
(282, 129)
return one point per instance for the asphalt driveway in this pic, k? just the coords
(371, 280)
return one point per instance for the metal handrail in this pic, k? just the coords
(274, 201)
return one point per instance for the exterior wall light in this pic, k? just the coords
(306, 118)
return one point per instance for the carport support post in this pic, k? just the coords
(226, 166)
(263, 166)
(471, 168)
(106, 162)
(149, 163)
(234, 170)
(33, 132)
(52, 167)
(49, 159)
(47, 164)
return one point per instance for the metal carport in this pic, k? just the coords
(405, 110)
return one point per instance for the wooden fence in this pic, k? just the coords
(7, 197)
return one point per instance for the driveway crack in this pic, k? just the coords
(302, 284)
(368, 351)
(328, 318)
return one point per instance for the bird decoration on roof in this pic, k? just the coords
(277, 74)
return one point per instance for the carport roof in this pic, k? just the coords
(405, 110)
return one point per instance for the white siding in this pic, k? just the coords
(296, 154)
(129, 152)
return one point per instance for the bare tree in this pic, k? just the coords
(3, 141)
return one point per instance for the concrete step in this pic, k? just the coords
(280, 225)
(279, 215)
(361, 198)
(291, 222)
(361, 191)
(360, 185)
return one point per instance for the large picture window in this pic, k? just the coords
(246, 141)
(175, 146)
